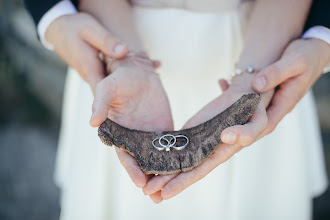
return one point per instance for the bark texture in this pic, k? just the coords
(204, 139)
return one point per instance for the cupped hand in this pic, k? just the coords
(233, 138)
(132, 95)
(78, 39)
(294, 74)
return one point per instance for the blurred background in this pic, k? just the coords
(31, 89)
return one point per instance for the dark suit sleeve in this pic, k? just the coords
(319, 14)
(38, 8)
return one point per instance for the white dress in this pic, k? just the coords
(275, 178)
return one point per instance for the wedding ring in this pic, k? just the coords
(183, 146)
(168, 140)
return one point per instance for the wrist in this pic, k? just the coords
(64, 7)
(242, 84)
(54, 29)
(132, 60)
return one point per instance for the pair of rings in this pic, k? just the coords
(167, 141)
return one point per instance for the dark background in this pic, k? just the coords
(31, 88)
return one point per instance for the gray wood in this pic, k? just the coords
(204, 139)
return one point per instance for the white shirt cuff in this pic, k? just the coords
(322, 33)
(64, 7)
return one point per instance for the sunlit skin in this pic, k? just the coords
(111, 100)
(133, 96)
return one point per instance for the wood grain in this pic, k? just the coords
(204, 139)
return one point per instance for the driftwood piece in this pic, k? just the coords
(203, 139)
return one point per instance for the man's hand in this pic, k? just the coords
(295, 73)
(132, 96)
(234, 139)
(78, 39)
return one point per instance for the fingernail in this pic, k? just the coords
(260, 83)
(229, 137)
(119, 48)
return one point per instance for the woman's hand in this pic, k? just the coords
(132, 96)
(233, 138)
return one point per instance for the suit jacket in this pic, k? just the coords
(319, 13)
(38, 8)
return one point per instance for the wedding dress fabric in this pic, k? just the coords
(198, 42)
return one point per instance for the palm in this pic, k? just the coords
(171, 185)
(140, 102)
(133, 97)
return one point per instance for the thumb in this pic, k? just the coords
(276, 74)
(96, 35)
(223, 84)
(89, 66)
(104, 94)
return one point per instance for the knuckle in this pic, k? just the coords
(108, 39)
(247, 140)
(273, 72)
(86, 29)
(302, 61)
(83, 31)
(271, 127)
(290, 108)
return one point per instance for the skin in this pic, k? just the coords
(127, 96)
(78, 39)
(261, 50)
(295, 73)
(132, 95)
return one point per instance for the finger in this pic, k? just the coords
(275, 74)
(284, 100)
(156, 197)
(104, 94)
(156, 64)
(91, 67)
(96, 35)
(83, 58)
(245, 135)
(184, 180)
(156, 183)
(223, 84)
(132, 167)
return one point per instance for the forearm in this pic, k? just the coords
(272, 25)
(116, 16)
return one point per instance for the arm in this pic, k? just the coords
(76, 37)
(273, 24)
(38, 8)
(132, 94)
(299, 67)
(281, 22)
(116, 16)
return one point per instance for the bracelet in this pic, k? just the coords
(239, 71)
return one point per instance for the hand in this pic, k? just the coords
(234, 138)
(295, 73)
(78, 39)
(133, 96)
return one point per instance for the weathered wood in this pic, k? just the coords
(203, 139)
